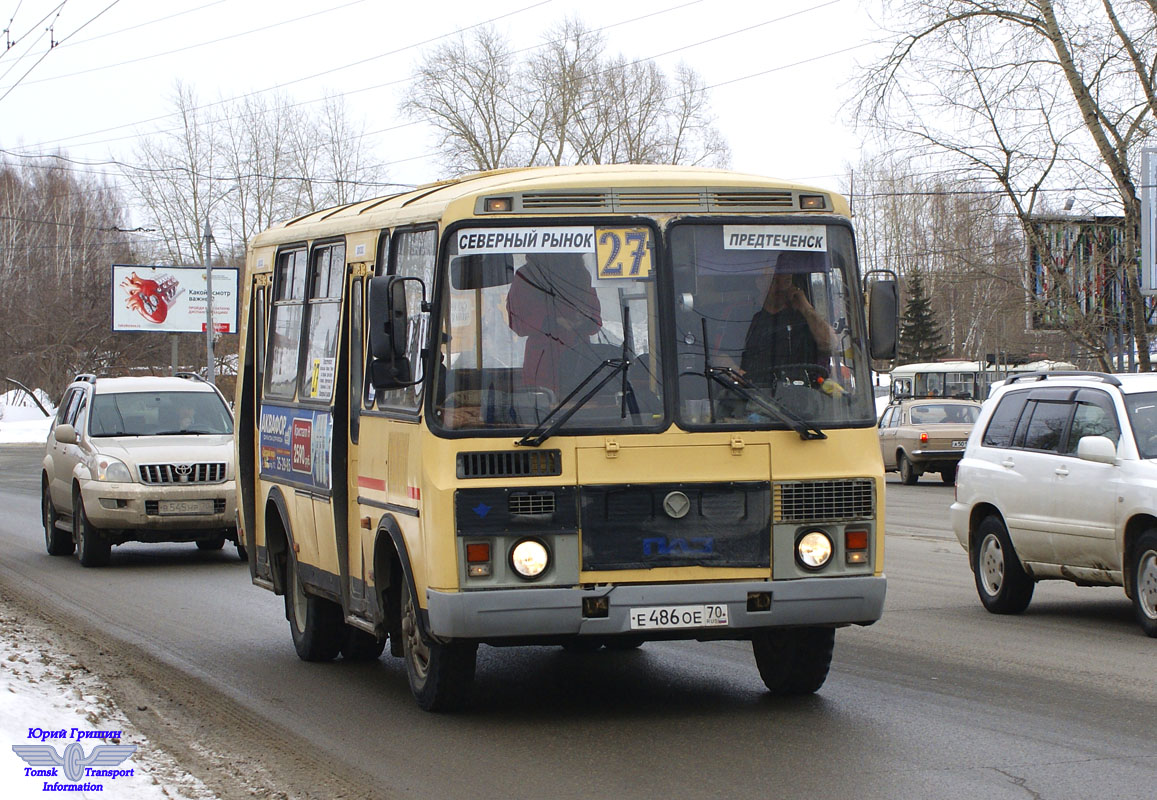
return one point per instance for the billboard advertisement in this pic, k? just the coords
(172, 299)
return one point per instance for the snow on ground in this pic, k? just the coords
(42, 689)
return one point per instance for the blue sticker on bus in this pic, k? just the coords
(297, 446)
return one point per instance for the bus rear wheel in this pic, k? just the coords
(441, 674)
(315, 624)
(794, 661)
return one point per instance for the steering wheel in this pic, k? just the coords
(812, 374)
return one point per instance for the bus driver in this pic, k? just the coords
(786, 329)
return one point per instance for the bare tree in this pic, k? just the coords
(566, 104)
(1031, 98)
(60, 232)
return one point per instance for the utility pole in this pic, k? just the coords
(208, 263)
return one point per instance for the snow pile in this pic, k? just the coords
(44, 689)
(21, 422)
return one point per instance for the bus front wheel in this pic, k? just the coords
(315, 624)
(794, 661)
(440, 673)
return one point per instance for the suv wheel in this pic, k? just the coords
(92, 549)
(908, 473)
(1145, 581)
(1003, 585)
(56, 541)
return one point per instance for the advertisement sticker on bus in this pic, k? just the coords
(296, 445)
(811, 238)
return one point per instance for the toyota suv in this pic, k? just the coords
(1059, 481)
(138, 459)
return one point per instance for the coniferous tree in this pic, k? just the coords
(920, 336)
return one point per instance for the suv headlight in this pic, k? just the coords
(113, 470)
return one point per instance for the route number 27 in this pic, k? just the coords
(623, 252)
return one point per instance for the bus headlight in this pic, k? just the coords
(813, 550)
(529, 558)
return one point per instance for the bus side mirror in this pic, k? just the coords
(390, 367)
(883, 319)
(388, 314)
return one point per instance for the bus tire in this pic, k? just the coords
(794, 661)
(315, 624)
(441, 674)
(357, 645)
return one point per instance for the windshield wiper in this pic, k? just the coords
(546, 428)
(730, 379)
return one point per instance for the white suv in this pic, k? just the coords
(1059, 480)
(138, 459)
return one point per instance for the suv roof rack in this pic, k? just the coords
(1105, 377)
(192, 376)
(87, 377)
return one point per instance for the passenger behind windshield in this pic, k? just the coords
(553, 304)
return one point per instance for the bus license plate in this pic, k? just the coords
(959, 442)
(656, 617)
(185, 506)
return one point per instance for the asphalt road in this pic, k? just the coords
(939, 699)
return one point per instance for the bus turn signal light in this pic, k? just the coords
(478, 559)
(856, 547)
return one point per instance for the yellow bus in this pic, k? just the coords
(536, 407)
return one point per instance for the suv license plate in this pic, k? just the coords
(709, 615)
(959, 442)
(184, 506)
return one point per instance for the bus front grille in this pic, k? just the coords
(510, 464)
(821, 501)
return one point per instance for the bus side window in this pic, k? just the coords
(412, 256)
(323, 317)
(285, 323)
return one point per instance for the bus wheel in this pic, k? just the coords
(440, 673)
(361, 646)
(794, 661)
(315, 624)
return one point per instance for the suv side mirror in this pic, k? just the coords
(65, 434)
(883, 297)
(1097, 448)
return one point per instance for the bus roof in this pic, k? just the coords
(552, 190)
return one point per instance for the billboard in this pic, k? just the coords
(1148, 220)
(172, 299)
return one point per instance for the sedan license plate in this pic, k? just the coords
(185, 506)
(959, 442)
(709, 615)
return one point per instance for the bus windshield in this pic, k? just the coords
(531, 325)
(772, 308)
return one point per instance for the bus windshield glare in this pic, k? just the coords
(565, 321)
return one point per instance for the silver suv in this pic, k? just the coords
(138, 459)
(1059, 481)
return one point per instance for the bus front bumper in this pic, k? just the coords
(530, 613)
